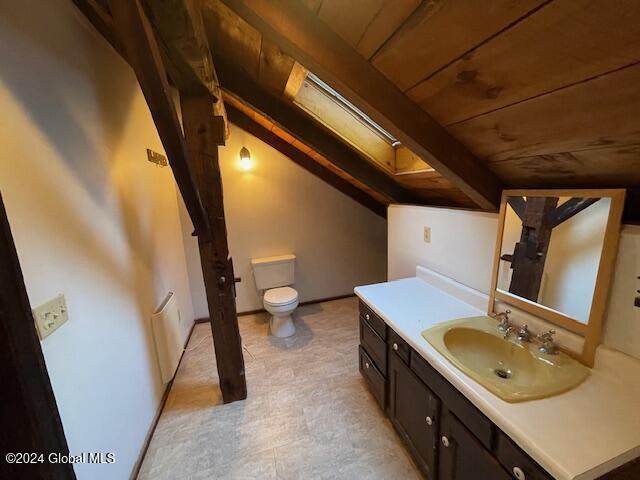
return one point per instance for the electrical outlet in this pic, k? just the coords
(427, 234)
(49, 316)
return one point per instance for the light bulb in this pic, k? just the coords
(246, 163)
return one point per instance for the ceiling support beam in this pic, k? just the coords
(203, 131)
(299, 125)
(181, 33)
(136, 36)
(181, 39)
(318, 48)
(305, 161)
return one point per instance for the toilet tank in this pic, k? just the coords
(272, 272)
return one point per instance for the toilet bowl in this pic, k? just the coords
(280, 303)
(274, 277)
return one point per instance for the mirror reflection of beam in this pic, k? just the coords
(539, 216)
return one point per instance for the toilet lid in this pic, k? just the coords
(280, 296)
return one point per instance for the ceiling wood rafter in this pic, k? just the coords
(318, 48)
(304, 129)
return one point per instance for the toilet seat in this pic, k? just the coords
(280, 296)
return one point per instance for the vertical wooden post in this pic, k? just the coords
(530, 252)
(204, 133)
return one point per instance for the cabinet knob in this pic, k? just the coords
(445, 442)
(519, 474)
(395, 347)
(429, 421)
(367, 316)
(366, 364)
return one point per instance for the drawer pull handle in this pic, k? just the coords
(395, 347)
(445, 442)
(367, 316)
(518, 473)
(429, 421)
(366, 365)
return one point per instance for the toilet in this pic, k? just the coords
(274, 277)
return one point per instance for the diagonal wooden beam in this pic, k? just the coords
(305, 161)
(29, 414)
(298, 124)
(102, 21)
(136, 36)
(519, 205)
(180, 30)
(568, 209)
(318, 48)
(181, 40)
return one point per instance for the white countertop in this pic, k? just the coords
(578, 435)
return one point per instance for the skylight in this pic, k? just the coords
(353, 109)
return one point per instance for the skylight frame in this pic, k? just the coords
(346, 104)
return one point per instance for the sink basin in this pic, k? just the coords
(514, 372)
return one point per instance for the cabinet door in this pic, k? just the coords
(414, 412)
(462, 456)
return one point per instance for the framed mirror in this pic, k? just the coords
(555, 255)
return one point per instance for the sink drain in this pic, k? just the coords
(502, 373)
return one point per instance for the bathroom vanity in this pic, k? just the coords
(456, 429)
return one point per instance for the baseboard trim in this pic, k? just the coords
(262, 310)
(328, 299)
(165, 395)
(302, 304)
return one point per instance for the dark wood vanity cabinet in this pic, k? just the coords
(446, 435)
(463, 457)
(414, 411)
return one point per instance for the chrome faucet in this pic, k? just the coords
(524, 335)
(504, 326)
(548, 345)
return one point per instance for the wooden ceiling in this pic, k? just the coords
(546, 93)
(532, 93)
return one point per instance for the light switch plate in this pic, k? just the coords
(427, 234)
(49, 316)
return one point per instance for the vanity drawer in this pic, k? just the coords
(514, 459)
(374, 320)
(462, 408)
(374, 378)
(398, 345)
(374, 345)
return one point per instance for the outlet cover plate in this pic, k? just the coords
(50, 315)
(427, 234)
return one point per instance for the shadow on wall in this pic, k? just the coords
(80, 145)
(76, 141)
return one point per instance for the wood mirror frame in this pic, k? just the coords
(592, 330)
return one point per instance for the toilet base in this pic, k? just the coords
(282, 326)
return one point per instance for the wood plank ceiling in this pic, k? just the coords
(545, 92)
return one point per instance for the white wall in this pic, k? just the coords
(91, 219)
(462, 247)
(281, 208)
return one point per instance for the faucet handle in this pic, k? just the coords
(524, 335)
(547, 336)
(504, 315)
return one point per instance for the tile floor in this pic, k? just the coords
(308, 415)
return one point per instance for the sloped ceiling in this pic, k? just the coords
(545, 92)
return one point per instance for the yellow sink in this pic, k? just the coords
(514, 372)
